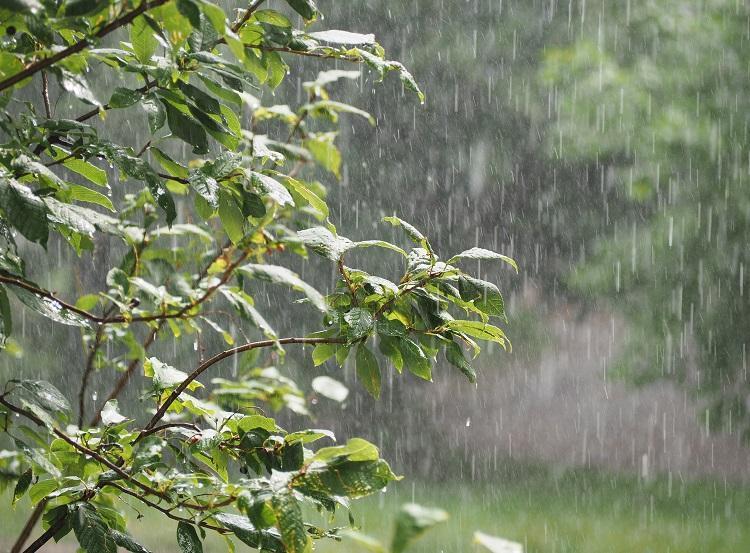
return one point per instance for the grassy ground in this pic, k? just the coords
(574, 511)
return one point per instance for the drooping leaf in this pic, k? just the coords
(231, 217)
(306, 8)
(92, 531)
(187, 129)
(25, 211)
(22, 484)
(368, 370)
(127, 542)
(455, 356)
(289, 520)
(480, 330)
(187, 538)
(414, 358)
(412, 521)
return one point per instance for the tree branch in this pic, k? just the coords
(219, 357)
(83, 449)
(54, 528)
(82, 44)
(164, 511)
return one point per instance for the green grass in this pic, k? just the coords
(573, 511)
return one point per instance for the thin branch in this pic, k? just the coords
(45, 95)
(348, 281)
(83, 449)
(79, 46)
(104, 319)
(48, 535)
(248, 12)
(308, 53)
(90, 362)
(221, 356)
(164, 511)
(161, 427)
(127, 375)
(36, 514)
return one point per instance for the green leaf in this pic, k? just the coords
(83, 194)
(368, 370)
(142, 39)
(124, 97)
(249, 534)
(77, 8)
(411, 522)
(414, 358)
(155, 111)
(187, 538)
(485, 295)
(330, 388)
(497, 545)
(127, 542)
(323, 352)
(481, 253)
(353, 479)
(49, 308)
(289, 520)
(187, 129)
(166, 376)
(43, 394)
(272, 17)
(326, 154)
(84, 168)
(476, 329)
(360, 322)
(323, 242)
(410, 230)
(272, 188)
(455, 356)
(6, 318)
(23, 484)
(92, 531)
(315, 201)
(306, 8)
(25, 211)
(355, 449)
(231, 217)
(282, 275)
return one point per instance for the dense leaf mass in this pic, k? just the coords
(205, 214)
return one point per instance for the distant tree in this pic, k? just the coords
(658, 104)
(206, 190)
